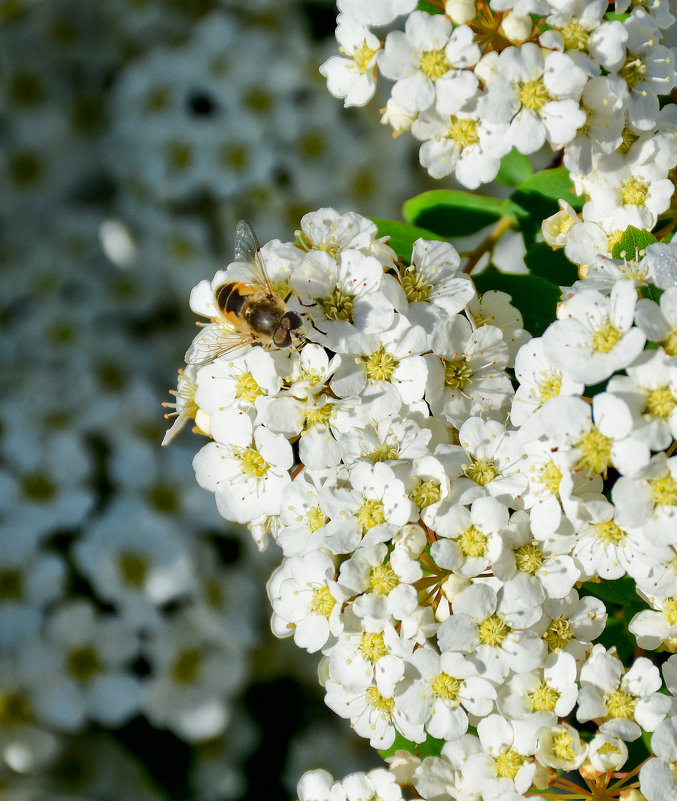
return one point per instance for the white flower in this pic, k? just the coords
(424, 53)
(465, 374)
(79, 668)
(493, 629)
(246, 467)
(462, 143)
(353, 75)
(657, 778)
(594, 336)
(472, 540)
(551, 688)
(538, 96)
(306, 600)
(441, 690)
(540, 380)
(626, 699)
(189, 691)
(433, 284)
(561, 747)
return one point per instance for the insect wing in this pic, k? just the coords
(214, 340)
(248, 251)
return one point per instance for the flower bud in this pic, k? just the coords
(460, 11)
(517, 29)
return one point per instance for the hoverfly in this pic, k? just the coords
(252, 314)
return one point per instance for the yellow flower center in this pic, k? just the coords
(337, 305)
(323, 601)
(543, 698)
(14, 709)
(660, 402)
(634, 191)
(370, 514)
(463, 132)
(663, 490)
(575, 36)
(473, 543)
(558, 634)
(633, 71)
(533, 94)
(253, 464)
(561, 746)
(363, 56)
(11, 584)
(493, 630)
(372, 646)
(670, 609)
(434, 64)
(385, 452)
(609, 532)
(508, 763)
(383, 579)
(549, 386)
(621, 704)
(318, 415)
(446, 687)
(381, 365)
(670, 343)
(595, 450)
(186, 666)
(315, 518)
(427, 493)
(83, 663)
(482, 471)
(457, 372)
(605, 338)
(376, 701)
(133, 568)
(416, 286)
(529, 557)
(247, 389)
(550, 476)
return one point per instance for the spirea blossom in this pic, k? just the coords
(437, 523)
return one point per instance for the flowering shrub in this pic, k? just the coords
(469, 474)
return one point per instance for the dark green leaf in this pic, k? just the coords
(616, 634)
(429, 747)
(515, 169)
(619, 591)
(402, 235)
(449, 212)
(535, 297)
(551, 264)
(633, 240)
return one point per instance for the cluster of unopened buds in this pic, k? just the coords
(436, 523)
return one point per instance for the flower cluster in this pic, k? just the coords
(474, 79)
(432, 550)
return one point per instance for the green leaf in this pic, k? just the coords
(616, 634)
(429, 747)
(535, 297)
(402, 235)
(539, 196)
(449, 212)
(632, 241)
(652, 293)
(550, 264)
(515, 169)
(619, 591)
(429, 8)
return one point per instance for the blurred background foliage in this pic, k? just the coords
(136, 659)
